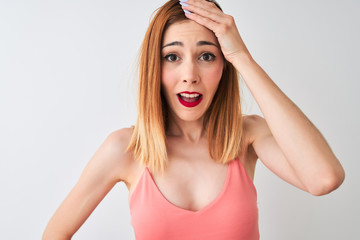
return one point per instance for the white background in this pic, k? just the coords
(67, 80)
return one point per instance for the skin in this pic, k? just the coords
(299, 154)
(189, 66)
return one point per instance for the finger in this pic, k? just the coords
(204, 8)
(207, 5)
(208, 23)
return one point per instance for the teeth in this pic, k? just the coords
(189, 95)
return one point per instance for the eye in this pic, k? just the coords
(171, 57)
(208, 57)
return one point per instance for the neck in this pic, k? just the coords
(191, 131)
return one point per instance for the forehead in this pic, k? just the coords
(188, 31)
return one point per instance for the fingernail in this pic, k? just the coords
(183, 0)
(186, 11)
(184, 4)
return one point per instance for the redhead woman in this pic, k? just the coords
(189, 161)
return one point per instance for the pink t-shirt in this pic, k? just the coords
(233, 215)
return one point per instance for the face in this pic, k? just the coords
(192, 66)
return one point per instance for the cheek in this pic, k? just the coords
(165, 77)
(167, 81)
(214, 75)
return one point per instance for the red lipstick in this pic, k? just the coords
(189, 99)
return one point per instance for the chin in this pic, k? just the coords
(190, 116)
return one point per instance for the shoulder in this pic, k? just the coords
(113, 153)
(120, 137)
(255, 127)
(253, 119)
(256, 131)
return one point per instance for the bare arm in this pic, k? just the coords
(107, 167)
(286, 141)
(288, 136)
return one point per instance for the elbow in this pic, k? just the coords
(327, 184)
(51, 235)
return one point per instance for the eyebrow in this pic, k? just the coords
(176, 43)
(200, 43)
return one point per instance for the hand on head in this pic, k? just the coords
(209, 15)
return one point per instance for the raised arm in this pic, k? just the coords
(108, 166)
(286, 141)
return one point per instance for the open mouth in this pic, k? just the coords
(189, 99)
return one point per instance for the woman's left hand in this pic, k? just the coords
(210, 16)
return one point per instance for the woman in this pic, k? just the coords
(190, 159)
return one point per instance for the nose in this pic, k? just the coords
(190, 73)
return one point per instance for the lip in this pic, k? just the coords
(190, 104)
